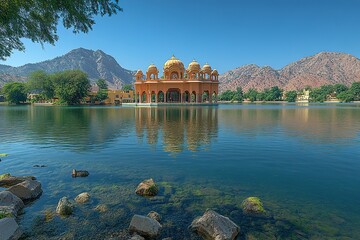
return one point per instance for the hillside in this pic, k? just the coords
(96, 64)
(322, 68)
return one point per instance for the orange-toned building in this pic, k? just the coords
(178, 85)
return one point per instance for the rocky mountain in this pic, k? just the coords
(320, 69)
(96, 64)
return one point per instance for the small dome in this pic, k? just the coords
(206, 67)
(214, 72)
(139, 73)
(172, 63)
(152, 68)
(194, 66)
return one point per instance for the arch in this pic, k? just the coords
(205, 97)
(161, 97)
(173, 95)
(138, 97)
(143, 97)
(186, 97)
(193, 97)
(174, 75)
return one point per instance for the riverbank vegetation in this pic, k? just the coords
(337, 92)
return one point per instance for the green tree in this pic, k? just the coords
(355, 89)
(339, 88)
(102, 93)
(37, 20)
(251, 94)
(227, 95)
(273, 94)
(40, 81)
(127, 87)
(71, 86)
(15, 92)
(291, 96)
(238, 95)
(346, 96)
(317, 95)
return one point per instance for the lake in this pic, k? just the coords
(302, 161)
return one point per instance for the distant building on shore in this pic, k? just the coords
(178, 85)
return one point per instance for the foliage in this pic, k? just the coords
(291, 96)
(251, 94)
(355, 90)
(339, 88)
(317, 95)
(102, 93)
(239, 95)
(15, 92)
(71, 86)
(37, 20)
(40, 81)
(228, 95)
(346, 96)
(127, 87)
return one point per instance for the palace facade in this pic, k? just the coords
(178, 85)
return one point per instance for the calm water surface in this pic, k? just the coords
(303, 161)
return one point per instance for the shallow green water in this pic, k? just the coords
(302, 161)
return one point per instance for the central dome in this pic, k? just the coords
(174, 64)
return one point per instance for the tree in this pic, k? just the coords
(102, 93)
(346, 96)
(37, 20)
(71, 86)
(251, 94)
(41, 81)
(228, 95)
(355, 89)
(238, 95)
(317, 95)
(291, 96)
(127, 87)
(339, 88)
(15, 92)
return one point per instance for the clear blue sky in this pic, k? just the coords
(225, 33)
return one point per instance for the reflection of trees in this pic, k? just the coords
(180, 128)
(72, 127)
(325, 124)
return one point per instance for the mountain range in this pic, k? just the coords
(314, 71)
(96, 64)
(320, 69)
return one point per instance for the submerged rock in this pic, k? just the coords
(252, 205)
(79, 173)
(154, 215)
(101, 208)
(9, 229)
(145, 226)
(82, 197)
(39, 166)
(6, 180)
(27, 190)
(10, 203)
(64, 207)
(147, 188)
(214, 226)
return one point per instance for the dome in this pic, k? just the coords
(139, 73)
(174, 63)
(206, 67)
(152, 69)
(214, 72)
(194, 66)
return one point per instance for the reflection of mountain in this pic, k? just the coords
(315, 123)
(179, 128)
(74, 128)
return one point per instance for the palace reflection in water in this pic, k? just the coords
(177, 128)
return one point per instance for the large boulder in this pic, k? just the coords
(147, 188)
(64, 207)
(10, 203)
(252, 205)
(82, 197)
(6, 180)
(145, 226)
(27, 190)
(9, 229)
(213, 226)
